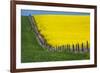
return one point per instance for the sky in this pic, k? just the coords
(31, 12)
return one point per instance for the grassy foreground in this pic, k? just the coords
(31, 51)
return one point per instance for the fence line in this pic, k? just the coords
(76, 48)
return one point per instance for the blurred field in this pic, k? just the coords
(31, 51)
(64, 29)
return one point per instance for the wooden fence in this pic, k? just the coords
(76, 48)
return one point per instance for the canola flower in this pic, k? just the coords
(60, 30)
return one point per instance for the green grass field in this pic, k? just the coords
(31, 51)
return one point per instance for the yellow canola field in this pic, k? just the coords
(60, 30)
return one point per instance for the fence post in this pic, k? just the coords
(78, 49)
(87, 46)
(82, 47)
(73, 47)
(67, 48)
